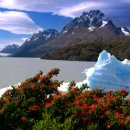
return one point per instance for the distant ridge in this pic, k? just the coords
(37, 39)
(10, 49)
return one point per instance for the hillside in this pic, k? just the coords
(90, 51)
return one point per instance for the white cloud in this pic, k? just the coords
(23, 39)
(74, 10)
(17, 22)
(60, 7)
(30, 5)
(70, 8)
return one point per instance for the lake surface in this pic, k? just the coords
(15, 70)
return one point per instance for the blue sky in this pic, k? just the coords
(19, 19)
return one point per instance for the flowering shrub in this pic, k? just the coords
(21, 107)
(37, 104)
(94, 109)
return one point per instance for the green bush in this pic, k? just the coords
(49, 123)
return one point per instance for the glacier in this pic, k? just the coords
(109, 73)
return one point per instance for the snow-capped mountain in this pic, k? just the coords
(90, 27)
(41, 36)
(35, 41)
(95, 21)
(10, 48)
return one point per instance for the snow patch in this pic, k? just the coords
(91, 28)
(64, 31)
(35, 39)
(47, 36)
(79, 20)
(103, 23)
(72, 33)
(125, 32)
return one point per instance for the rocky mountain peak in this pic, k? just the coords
(92, 19)
(43, 35)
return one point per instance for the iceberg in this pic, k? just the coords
(109, 73)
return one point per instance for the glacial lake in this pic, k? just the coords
(15, 70)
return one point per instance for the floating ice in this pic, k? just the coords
(109, 73)
(3, 90)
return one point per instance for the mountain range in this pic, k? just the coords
(10, 49)
(90, 27)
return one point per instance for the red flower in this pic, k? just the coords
(92, 108)
(48, 105)
(107, 112)
(34, 108)
(53, 71)
(109, 91)
(21, 89)
(42, 85)
(1, 100)
(101, 117)
(85, 106)
(32, 86)
(42, 77)
(122, 122)
(85, 119)
(123, 92)
(128, 118)
(94, 96)
(6, 99)
(55, 86)
(108, 125)
(23, 118)
(118, 115)
(2, 109)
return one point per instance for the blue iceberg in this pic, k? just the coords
(109, 73)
